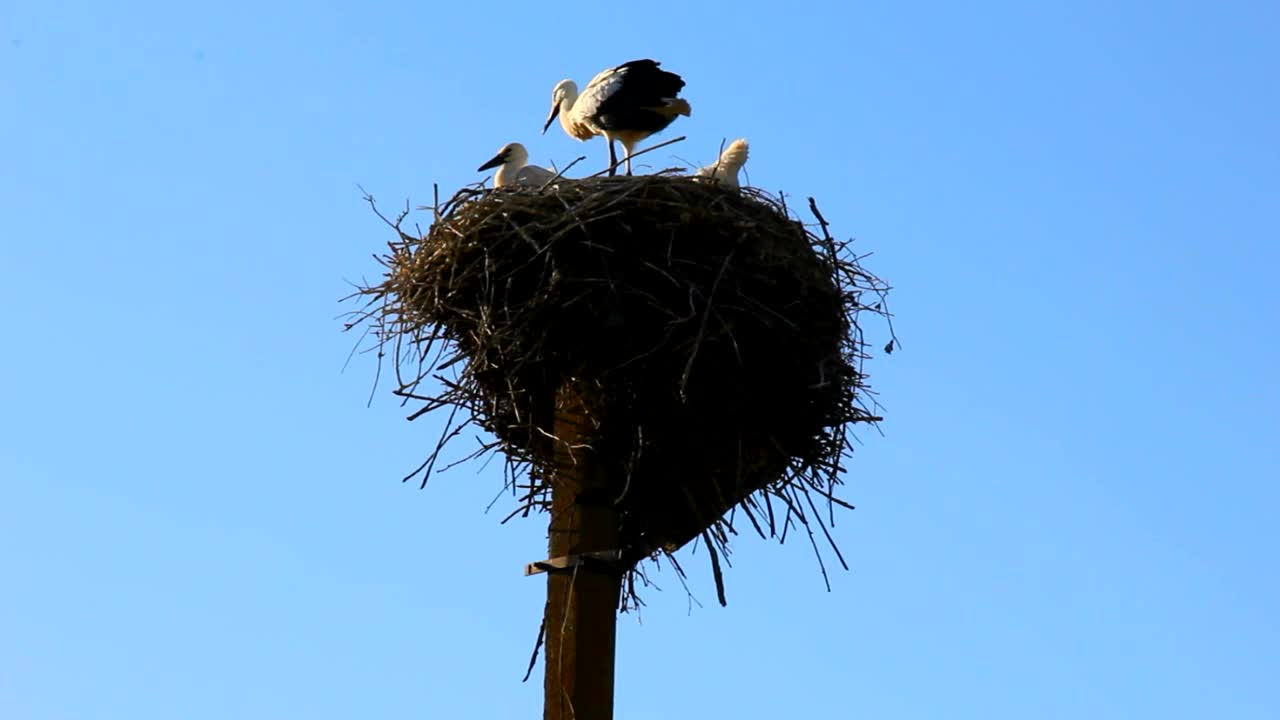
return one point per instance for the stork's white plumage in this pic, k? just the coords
(513, 166)
(726, 168)
(627, 103)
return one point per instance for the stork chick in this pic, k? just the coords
(627, 103)
(726, 168)
(513, 166)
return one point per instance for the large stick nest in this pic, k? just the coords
(716, 333)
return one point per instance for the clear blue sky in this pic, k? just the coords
(1071, 512)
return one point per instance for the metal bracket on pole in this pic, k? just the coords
(604, 560)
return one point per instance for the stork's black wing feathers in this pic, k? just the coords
(667, 83)
(636, 74)
(638, 87)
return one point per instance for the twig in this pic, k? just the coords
(702, 328)
(636, 154)
(715, 568)
(537, 645)
(560, 174)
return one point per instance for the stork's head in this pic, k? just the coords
(510, 153)
(566, 91)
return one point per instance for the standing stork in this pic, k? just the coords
(725, 169)
(627, 103)
(513, 166)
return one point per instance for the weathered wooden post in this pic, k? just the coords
(583, 580)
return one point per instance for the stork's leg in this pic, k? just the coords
(613, 157)
(626, 148)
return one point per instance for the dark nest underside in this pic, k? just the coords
(714, 333)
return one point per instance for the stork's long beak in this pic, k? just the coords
(555, 110)
(493, 163)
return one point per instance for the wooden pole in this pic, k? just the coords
(582, 602)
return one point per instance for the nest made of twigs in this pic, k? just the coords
(716, 334)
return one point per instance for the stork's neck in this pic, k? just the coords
(508, 170)
(504, 174)
(566, 106)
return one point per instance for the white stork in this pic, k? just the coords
(726, 168)
(513, 166)
(627, 103)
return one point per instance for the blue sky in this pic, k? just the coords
(1070, 512)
